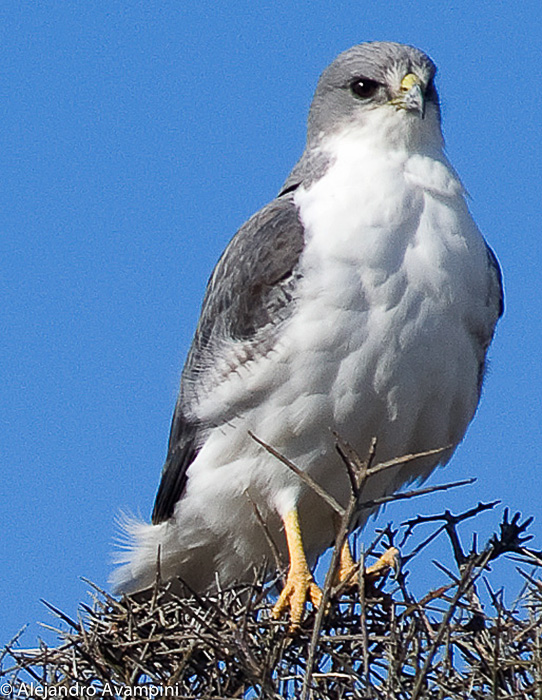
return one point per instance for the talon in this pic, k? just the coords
(389, 561)
(297, 590)
(300, 584)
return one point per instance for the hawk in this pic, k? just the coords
(362, 299)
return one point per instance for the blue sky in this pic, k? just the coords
(135, 139)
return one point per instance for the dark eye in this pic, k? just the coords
(364, 87)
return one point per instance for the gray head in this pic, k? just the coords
(373, 78)
(382, 90)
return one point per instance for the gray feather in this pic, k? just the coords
(249, 295)
(497, 289)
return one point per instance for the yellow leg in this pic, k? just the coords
(300, 584)
(347, 572)
(347, 567)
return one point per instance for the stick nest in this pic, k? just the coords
(375, 641)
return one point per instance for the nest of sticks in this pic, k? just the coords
(374, 640)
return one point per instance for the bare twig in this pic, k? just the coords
(279, 564)
(309, 481)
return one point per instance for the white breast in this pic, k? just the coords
(394, 300)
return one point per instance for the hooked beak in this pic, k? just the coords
(411, 95)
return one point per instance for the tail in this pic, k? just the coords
(143, 551)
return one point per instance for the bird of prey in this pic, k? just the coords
(362, 300)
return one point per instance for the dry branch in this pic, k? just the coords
(392, 646)
(375, 642)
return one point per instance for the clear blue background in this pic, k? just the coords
(135, 138)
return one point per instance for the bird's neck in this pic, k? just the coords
(361, 157)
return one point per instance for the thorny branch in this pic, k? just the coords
(378, 641)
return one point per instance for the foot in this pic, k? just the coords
(390, 560)
(299, 588)
(347, 574)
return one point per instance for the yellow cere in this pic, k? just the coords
(409, 81)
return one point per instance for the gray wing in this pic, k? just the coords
(495, 302)
(496, 273)
(251, 289)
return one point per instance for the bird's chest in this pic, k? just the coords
(389, 293)
(379, 241)
(369, 214)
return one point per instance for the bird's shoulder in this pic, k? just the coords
(239, 299)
